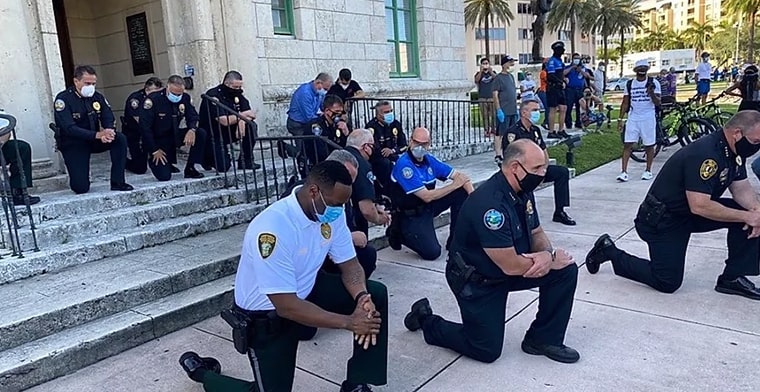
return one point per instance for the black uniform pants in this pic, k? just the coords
(480, 336)
(163, 172)
(138, 158)
(560, 176)
(76, 156)
(382, 168)
(273, 355)
(667, 249)
(419, 231)
(572, 97)
(218, 148)
(18, 162)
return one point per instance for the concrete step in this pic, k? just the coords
(111, 245)
(71, 349)
(76, 228)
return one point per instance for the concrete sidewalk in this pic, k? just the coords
(630, 337)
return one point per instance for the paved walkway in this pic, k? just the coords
(630, 337)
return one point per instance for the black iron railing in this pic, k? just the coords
(451, 122)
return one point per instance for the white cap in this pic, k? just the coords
(641, 63)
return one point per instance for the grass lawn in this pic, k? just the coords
(595, 150)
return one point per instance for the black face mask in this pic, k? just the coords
(231, 92)
(530, 182)
(745, 149)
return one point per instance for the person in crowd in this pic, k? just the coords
(505, 102)
(484, 79)
(138, 159)
(703, 77)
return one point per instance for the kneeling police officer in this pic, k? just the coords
(500, 247)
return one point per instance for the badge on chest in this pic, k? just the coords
(325, 230)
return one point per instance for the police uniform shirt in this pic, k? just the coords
(363, 189)
(237, 102)
(494, 216)
(518, 131)
(347, 92)
(81, 118)
(321, 127)
(160, 118)
(387, 136)
(412, 176)
(555, 72)
(706, 166)
(132, 110)
(282, 252)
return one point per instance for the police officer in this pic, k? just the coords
(329, 124)
(138, 161)
(85, 125)
(685, 198)
(390, 142)
(278, 287)
(416, 200)
(555, 90)
(526, 128)
(226, 128)
(499, 247)
(361, 144)
(18, 156)
(159, 122)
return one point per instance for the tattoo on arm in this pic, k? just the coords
(353, 277)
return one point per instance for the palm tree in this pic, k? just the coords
(605, 20)
(628, 19)
(698, 35)
(572, 13)
(482, 12)
(749, 10)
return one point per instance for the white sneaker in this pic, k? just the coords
(622, 177)
(647, 175)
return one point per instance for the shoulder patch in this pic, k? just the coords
(371, 177)
(147, 104)
(430, 170)
(267, 242)
(59, 105)
(510, 137)
(407, 172)
(493, 219)
(708, 169)
(371, 130)
(134, 103)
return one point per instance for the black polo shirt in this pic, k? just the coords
(345, 93)
(494, 216)
(362, 189)
(518, 131)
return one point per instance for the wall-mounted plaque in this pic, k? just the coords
(139, 44)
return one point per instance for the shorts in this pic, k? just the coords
(703, 87)
(555, 97)
(644, 129)
(509, 121)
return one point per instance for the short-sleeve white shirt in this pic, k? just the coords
(642, 106)
(282, 252)
(704, 70)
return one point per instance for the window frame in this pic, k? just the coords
(290, 30)
(412, 42)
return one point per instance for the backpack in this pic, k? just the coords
(650, 82)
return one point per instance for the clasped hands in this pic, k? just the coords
(365, 322)
(543, 262)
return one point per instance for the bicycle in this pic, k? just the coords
(712, 111)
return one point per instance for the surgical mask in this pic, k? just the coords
(388, 118)
(345, 86)
(530, 182)
(535, 117)
(174, 98)
(576, 61)
(706, 59)
(602, 68)
(528, 77)
(88, 91)
(322, 92)
(419, 152)
(641, 73)
(331, 214)
(745, 149)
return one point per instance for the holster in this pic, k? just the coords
(239, 322)
(652, 211)
(458, 273)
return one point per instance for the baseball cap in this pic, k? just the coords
(641, 63)
(558, 45)
(507, 59)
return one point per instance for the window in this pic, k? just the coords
(282, 17)
(401, 35)
(524, 8)
(665, 63)
(524, 58)
(524, 34)
(493, 34)
(563, 35)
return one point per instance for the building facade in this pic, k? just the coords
(678, 14)
(396, 48)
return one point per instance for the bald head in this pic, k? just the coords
(422, 134)
(521, 157)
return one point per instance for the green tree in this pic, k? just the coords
(572, 14)
(748, 10)
(606, 19)
(698, 35)
(609, 57)
(479, 13)
(629, 20)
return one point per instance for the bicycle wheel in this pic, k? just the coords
(721, 118)
(639, 154)
(694, 128)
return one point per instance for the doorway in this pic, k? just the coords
(64, 41)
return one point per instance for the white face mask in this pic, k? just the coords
(88, 91)
(576, 61)
(528, 77)
(345, 86)
(602, 68)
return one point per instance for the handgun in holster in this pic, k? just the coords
(239, 322)
(458, 273)
(651, 211)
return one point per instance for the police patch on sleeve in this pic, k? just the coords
(134, 103)
(510, 137)
(267, 242)
(59, 105)
(407, 172)
(493, 219)
(147, 104)
(708, 169)
(371, 177)
(371, 130)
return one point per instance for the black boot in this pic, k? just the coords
(190, 172)
(18, 198)
(597, 255)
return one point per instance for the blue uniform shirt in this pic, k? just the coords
(412, 176)
(305, 104)
(554, 70)
(575, 79)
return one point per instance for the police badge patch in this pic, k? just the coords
(708, 169)
(493, 219)
(134, 103)
(529, 207)
(182, 108)
(407, 172)
(395, 132)
(96, 106)
(326, 231)
(59, 105)
(147, 104)
(371, 130)
(267, 242)
(430, 171)
(237, 100)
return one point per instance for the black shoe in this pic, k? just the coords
(420, 310)
(562, 217)
(739, 286)
(564, 134)
(596, 256)
(347, 387)
(175, 169)
(559, 353)
(207, 167)
(250, 166)
(553, 135)
(190, 172)
(194, 365)
(498, 160)
(18, 197)
(393, 232)
(123, 187)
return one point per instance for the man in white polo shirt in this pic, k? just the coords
(703, 72)
(641, 96)
(279, 288)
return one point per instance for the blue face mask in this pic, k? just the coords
(388, 118)
(535, 117)
(331, 214)
(174, 98)
(322, 92)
